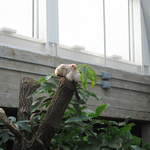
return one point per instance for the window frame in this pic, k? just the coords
(53, 26)
(52, 39)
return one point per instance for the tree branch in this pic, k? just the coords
(9, 125)
(55, 112)
(41, 139)
(27, 87)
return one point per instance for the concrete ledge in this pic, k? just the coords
(129, 95)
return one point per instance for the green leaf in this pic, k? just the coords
(45, 79)
(24, 125)
(41, 80)
(5, 137)
(99, 110)
(76, 119)
(12, 119)
(65, 147)
(94, 146)
(127, 128)
(135, 147)
(87, 74)
(146, 146)
(136, 140)
(88, 111)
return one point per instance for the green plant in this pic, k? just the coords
(81, 127)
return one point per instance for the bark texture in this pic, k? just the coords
(51, 122)
(27, 87)
(56, 111)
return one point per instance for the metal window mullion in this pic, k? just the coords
(104, 27)
(133, 40)
(33, 18)
(142, 50)
(129, 29)
(37, 19)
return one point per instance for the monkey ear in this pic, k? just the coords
(74, 66)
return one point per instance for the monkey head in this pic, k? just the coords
(69, 71)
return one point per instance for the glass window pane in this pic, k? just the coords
(117, 31)
(81, 23)
(16, 14)
(42, 19)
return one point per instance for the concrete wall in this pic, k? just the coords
(129, 95)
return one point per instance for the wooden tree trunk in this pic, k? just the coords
(27, 87)
(51, 122)
(56, 111)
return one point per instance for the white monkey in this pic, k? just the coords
(69, 71)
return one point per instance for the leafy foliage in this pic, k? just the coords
(81, 127)
(87, 74)
(5, 136)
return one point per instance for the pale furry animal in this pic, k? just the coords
(69, 71)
